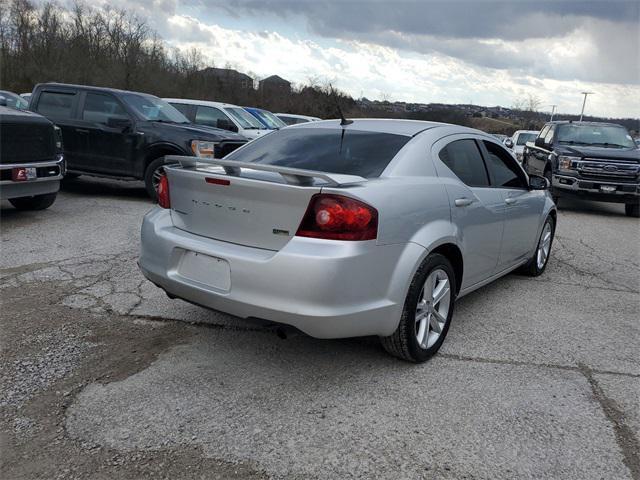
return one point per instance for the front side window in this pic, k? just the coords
(183, 108)
(56, 104)
(153, 109)
(334, 150)
(210, 116)
(549, 136)
(464, 159)
(609, 136)
(505, 171)
(99, 108)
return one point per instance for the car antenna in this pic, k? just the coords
(343, 121)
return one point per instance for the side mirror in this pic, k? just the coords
(226, 125)
(119, 122)
(508, 143)
(540, 142)
(536, 182)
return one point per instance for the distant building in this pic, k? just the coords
(275, 85)
(227, 78)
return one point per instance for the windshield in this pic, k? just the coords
(244, 118)
(351, 152)
(269, 119)
(609, 136)
(14, 101)
(526, 137)
(153, 109)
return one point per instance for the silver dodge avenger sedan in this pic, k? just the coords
(349, 228)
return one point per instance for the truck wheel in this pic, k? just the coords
(632, 209)
(38, 202)
(427, 312)
(152, 176)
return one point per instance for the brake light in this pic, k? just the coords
(335, 217)
(162, 190)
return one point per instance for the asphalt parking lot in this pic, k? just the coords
(104, 377)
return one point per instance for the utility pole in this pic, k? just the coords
(584, 102)
(553, 109)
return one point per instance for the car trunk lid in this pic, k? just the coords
(248, 204)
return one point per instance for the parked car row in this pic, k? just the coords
(123, 134)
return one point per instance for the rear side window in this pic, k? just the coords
(210, 116)
(99, 108)
(464, 159)
(504, 170)
(56, 104)
(334, 150)
(183, 108)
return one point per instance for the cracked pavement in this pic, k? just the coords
(538, 378)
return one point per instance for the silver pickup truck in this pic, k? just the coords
(31, 159)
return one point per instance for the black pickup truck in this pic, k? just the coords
(598, 161)
(122, 134)
(31, 160)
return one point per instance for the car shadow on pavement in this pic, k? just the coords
(580, 205)
(104, 187)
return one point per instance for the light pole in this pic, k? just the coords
(553, 109)
(584, 102)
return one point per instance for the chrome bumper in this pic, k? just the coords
(577, 185)
(38, 186)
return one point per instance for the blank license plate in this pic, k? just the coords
(607, 188)
(210, 271)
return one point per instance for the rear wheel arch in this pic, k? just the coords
(452, 253)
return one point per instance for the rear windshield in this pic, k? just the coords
(350, 152)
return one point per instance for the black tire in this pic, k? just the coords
(403, 343)
(531, 268)
(149, 185)
(632, 210)
(38, 202)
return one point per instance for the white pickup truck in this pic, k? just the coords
(518, 140)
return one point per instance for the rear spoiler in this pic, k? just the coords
(292, 176)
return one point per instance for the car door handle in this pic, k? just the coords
(82, 130)
(510, 201)
(463, 202)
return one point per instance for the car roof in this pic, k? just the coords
(90, 87)
(294, 115)
(526, 131)
(409, 128)
(571, 122)
(208, 103)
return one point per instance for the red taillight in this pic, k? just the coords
(334, 217)
(164, 200)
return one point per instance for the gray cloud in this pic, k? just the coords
(461, 28)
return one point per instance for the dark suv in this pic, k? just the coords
(599, 161)
(116, 133)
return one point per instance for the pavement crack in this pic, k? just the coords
(520, 363)
(625, 437)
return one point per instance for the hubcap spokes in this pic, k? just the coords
(544, 245)
(432, 310)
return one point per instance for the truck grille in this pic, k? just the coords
(22, 143)
(608, 171)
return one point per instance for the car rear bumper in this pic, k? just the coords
(592, 189)
(48, 180)
(327, 289)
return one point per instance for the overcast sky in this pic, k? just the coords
(483, 52)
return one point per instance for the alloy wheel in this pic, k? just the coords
(433, 306)
(544, 245)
